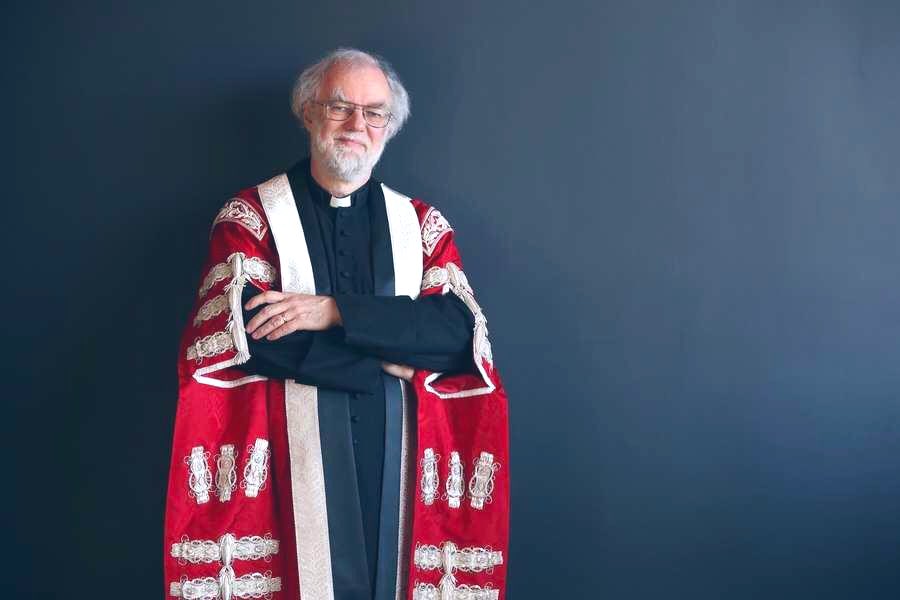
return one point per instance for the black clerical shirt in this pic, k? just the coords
(433, 332)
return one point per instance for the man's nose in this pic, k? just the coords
(356, 121)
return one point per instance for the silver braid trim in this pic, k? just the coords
(435, 277)
(211, 345)
(454, 484)
(260, 270)
(453, 279)
(434, 227)
(257, 468)
(429, 480)
(481, 486)
(427, 591)
(459, 285)
(213, 307)
(252, 585)
(256, 268)
(226, 550)
(226, 474)
(218, 272)
(199, 477)
(239, 211)
(450, 559)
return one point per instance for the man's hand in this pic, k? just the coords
(290, 312)
(401, 371)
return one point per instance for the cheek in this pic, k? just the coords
(376, 138)
(331, 129)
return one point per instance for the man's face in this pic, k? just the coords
(348, 149)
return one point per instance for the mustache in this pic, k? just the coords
(351, 138)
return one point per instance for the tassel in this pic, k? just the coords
(236, 323)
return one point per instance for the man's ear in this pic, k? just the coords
(307, 117)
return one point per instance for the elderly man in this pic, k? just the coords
(341, 430)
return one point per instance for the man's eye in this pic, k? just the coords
(341, 109)
(375, 114)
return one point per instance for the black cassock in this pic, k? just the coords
(433, 333)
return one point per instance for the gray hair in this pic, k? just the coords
(310, 80)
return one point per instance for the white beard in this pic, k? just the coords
(341, 161)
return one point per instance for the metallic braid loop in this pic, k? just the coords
(252, 585)
(257, 468)
(481, 486)
(225, 550)
(429, 481)
(454, 485)
(427, 591)
(226, 474)
(450, 559)
(199, 477)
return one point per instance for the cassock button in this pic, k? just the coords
(354, 419)
(355, 442)
(343, 232)
(345, 274)
(342, 252)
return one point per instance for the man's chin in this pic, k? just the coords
(347, 172)
(346, 161)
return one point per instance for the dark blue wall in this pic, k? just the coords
(681, 218)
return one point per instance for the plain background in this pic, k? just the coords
(680, 217)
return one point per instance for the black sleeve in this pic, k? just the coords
(311, 357)
(431, 332)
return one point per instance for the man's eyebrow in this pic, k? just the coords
(337, 95)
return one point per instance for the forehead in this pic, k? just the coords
(360, 84)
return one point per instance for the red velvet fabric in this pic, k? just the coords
(468, 426)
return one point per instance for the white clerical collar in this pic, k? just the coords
(339, 202)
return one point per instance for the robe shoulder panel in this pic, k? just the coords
(281, 210)
(405, 245)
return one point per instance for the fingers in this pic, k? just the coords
(303, 311)
(402, 371)
(265, 315)
(280, 321)
(264, 298)
(281, 326)
(279, 311)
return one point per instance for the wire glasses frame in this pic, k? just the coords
(338, 110)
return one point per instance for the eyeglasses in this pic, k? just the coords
(336, 110)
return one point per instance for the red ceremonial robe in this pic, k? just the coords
(246, 507)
